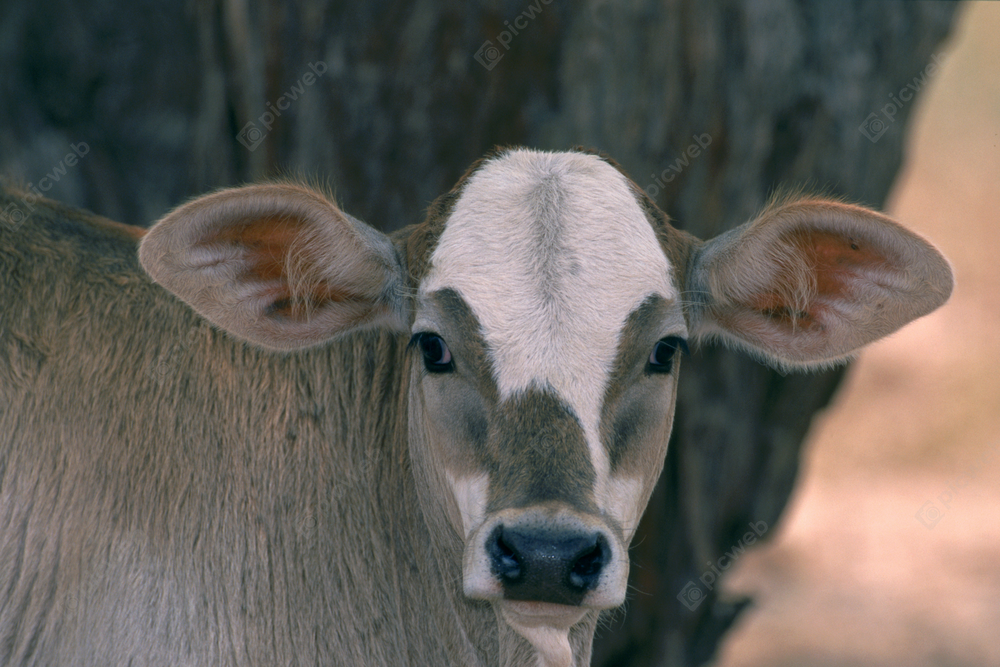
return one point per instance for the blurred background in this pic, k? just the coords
(887, 552)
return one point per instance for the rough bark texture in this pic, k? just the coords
(405, 94)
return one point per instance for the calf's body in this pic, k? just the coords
(446, 460)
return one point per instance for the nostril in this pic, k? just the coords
(546, 565)
(586, 570)
(504, 559)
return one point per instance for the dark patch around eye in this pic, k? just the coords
(627, 424)
(623, 421)
(467, 344)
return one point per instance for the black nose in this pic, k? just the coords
(546, 565)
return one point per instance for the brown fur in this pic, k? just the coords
(172, 496)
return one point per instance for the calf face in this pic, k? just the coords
(547, 303)
(548, 321)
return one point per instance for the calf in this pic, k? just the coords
(306, 442)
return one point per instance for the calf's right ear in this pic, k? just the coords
(277, 265)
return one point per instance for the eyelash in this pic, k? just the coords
(437, 356)
(661, 359)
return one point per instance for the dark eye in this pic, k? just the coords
(661, 359)
(437, 356)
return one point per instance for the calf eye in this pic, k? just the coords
(661, 359)
(437, 356)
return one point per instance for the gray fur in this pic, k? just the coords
(170, 495)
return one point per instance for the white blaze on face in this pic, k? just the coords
(552, 251)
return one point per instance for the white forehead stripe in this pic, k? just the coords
(551, 251)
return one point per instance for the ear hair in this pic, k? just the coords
(811, 281)
(278, 265)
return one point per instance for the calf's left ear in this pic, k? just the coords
(809, 282)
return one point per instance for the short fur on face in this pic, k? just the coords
(549, 255)
(552, 252)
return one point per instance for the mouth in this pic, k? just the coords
(545, 625)
(520, 613)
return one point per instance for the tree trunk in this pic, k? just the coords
(711, 106)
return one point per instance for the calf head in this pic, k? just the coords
(547, 302)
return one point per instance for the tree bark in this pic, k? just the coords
(711, 106)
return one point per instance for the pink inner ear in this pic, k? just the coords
(269, 244)
(838, 263)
